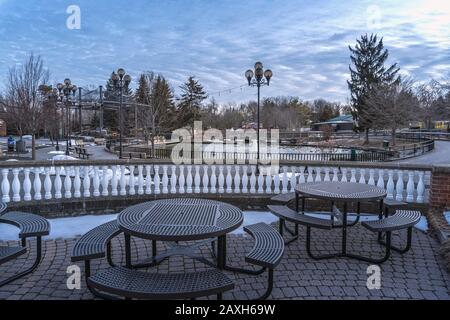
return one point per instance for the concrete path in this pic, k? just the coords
(440, 155)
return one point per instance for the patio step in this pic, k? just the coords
(285, 213)
(142, 285)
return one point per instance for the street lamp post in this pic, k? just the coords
(121, 80)
(67, 89)
(258, 78)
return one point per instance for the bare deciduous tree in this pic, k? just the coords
(392, 106)
(23, 99)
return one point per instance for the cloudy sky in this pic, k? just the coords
(305, 43)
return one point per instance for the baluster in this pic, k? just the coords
(327, 174)
(67, 183)
(205, 179)
(252, 179)
(420, 188)
(228, 180)
(5, 185)
(148, 179)
(58, 183)
(189, 179)
(165, 181)
(293, 178)
(310, 175)
(276, 182)
(105, 181)
(302, 175)
(221, 180)
(181, 179)
(197, 179)
(318, 174)
(410, 187)
(16, 185)
(77, 183)
(399, 187)
(390, 185)
(213, 180)
(237, 179)
(260, 180)
(96, 182)
(123, 181)
(353, 175)
(268, 179)
(86, 182)
(284, 181)
(140, 179)
(27, 184)
(244, 180)
(114, 181)
(380, 182)
(156, 180)
(362, 176)
(371, 177)
(335, 174)
(173, 179)
(47, 184)
(37, 184)
(344, 175)
(132, 182)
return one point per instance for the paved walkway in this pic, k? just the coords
(440, 155)
(419, 274)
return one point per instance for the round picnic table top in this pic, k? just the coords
(341, 191)
(180, 219)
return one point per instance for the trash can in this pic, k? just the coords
(385, 144)
(11, 144)
(21, 146)
(353, 154)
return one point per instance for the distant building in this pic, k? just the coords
(341, 123)
(3, 130)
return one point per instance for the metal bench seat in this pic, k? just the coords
(284, 197)
(30, 225)
(402, 219)
(268, 248)
(94, 244)
(9, 253)
(142, 285)
(286, 213)
(266, 252)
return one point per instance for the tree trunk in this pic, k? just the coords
(366, 140)
(394, 140)
(33, 146)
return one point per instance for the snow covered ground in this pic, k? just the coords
(74, 226)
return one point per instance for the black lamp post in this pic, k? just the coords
(121, 80)
(258, 78)
(67, 89)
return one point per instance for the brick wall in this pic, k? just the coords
(440, 187)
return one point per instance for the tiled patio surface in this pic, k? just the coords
(419, 274)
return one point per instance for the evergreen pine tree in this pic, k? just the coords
(368, 58)
(190, 103)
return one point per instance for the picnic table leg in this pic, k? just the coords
(380, 216)
(154, 250)
(344, 230)
(127, 250)
(221, 251)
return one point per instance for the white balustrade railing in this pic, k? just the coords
(66, 182)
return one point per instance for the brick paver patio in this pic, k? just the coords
(419, 274)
